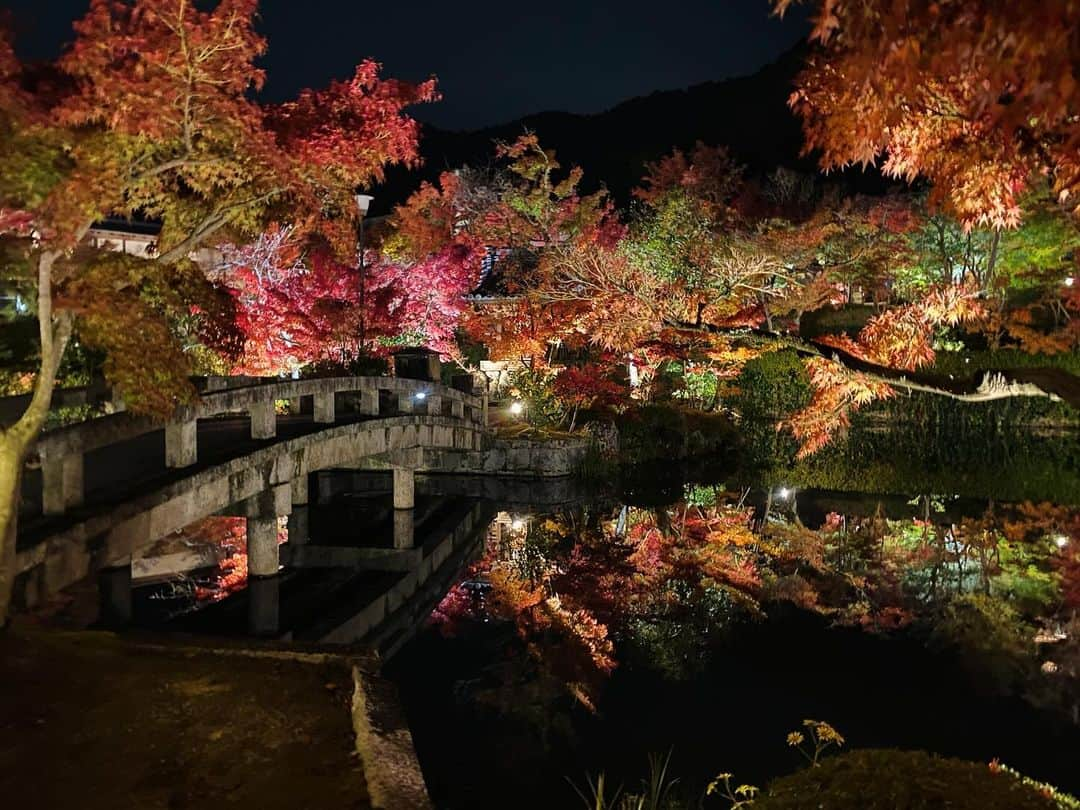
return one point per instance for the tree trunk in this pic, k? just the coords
(765, 310)
(15, 441)
(988, 278)
(10, 478)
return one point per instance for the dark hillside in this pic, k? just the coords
(749, 114)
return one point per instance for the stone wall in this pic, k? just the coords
(523, 458)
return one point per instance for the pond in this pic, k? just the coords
(912, 589)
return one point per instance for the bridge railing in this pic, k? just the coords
(61, 452)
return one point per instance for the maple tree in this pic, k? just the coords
(425, 299)
(711, 270)
(707, 175)
(978, 96)
(292, 308)
(154, 116)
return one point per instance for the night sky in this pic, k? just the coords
(495, 61)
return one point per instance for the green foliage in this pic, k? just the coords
(35, 162)
(964, 364)
(534, 388)
(699, 495)
(940, 252)
(904, 780)
(664, 239)
(656, 792)
(990, 637)
(1042, 243)
(673, 649)
(1023, 258)
(699, 389)
(773, 385)
(965, 458)
(1026, 578)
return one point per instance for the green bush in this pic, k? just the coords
(903, 780)
(911, 457)
(990, 637)
(534, 388)
(773, 385)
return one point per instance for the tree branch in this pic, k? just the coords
(213, 223)
(986, 385)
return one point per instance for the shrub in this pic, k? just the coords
(904, 780)
(773, 385)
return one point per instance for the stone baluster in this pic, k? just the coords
(263, 419)
(325, 411)
(61, 482)
(181, 443)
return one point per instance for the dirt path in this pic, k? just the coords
(92, 721)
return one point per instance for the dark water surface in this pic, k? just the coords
(893, 586)
(493, 729)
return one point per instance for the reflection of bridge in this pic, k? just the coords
(351, 580)
(109, 487)
(355, 569)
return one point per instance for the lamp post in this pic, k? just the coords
(363, 202)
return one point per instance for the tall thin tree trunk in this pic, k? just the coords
(15, 441)
(988, 279)
(10, 476)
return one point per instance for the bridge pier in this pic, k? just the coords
(404, 528)
(298, 489)
(181, 443)
(457, 409)
(114, 595)
(262, 512)
(404, 501)
(404, 488)
(262, 546)
(405, 402)
(264, 606)
(62, 483)
(434, 405)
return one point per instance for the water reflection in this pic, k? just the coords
(587, 588)
(594, 628)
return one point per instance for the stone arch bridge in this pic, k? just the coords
(97, 492)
